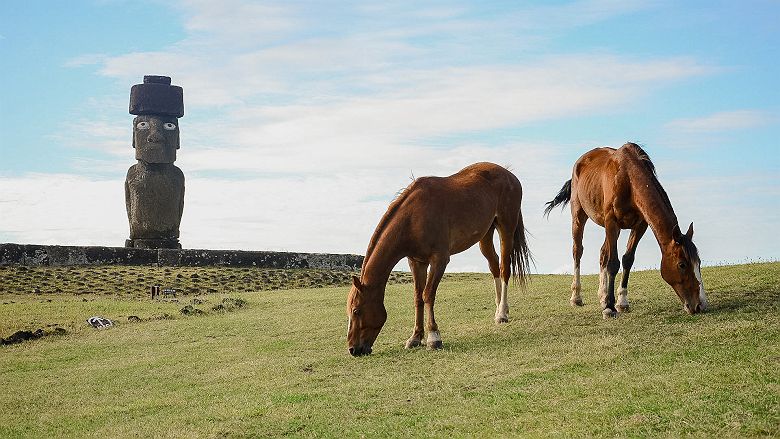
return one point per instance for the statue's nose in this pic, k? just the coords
(154, 137)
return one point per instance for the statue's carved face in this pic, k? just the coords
(156, 138)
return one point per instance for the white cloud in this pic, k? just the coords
(722, 121)
(239, 22)
(62, 209)
(87, 59)
(577, 13)
(393, 126)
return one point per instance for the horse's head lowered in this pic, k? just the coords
(681, 268)
(366, 315)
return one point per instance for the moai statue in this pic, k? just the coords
(154, 188)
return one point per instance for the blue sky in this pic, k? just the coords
(304, 119)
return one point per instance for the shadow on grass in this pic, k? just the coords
(731, 301)
(524, 335)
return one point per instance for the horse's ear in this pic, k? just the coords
(677, 234)
(356, 282)
(689, 233)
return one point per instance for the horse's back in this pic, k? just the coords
(485, 172)
(476, 178)
(461, 206)
(591, 183)
(594, 161)
(485, 169)
(600, 181)
(607, 162)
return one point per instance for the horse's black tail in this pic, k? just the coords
(520, 258)
(563, 198)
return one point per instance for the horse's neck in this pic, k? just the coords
(380, 262)
(652, 202)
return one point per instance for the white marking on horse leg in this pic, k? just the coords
(622, 300)
(434, 340)
(603, 285)
(498, 289)
(576, 288)
(502, 309)
(702, 294)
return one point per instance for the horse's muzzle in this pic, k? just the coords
(699, 308)
(357, 351)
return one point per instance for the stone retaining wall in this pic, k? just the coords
(56, 255)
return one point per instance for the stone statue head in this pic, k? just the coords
(156, 138)
(158, 106)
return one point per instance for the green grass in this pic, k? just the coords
(279, 365)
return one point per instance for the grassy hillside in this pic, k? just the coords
(278, 366)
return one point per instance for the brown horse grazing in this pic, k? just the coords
(433, 218)
(618, 189)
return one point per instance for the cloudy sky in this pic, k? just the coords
(304, 118)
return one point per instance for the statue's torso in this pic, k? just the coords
(155, 200)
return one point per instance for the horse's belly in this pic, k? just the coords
(462, 240)
(458, 247)
(593, 209)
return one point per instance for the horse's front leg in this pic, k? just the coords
(628, 261)
(610, 264)
(438, 265)
(419, 273)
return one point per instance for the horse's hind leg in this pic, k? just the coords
(610, 264)
(419, 273)
(579, 218)
(506, 237)
(489, 251)
(628, 261)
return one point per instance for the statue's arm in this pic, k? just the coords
(181, 198)
(127, 191)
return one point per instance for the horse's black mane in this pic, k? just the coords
(688, 246)
(644, 158)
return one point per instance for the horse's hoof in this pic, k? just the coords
(576, 302)
(608, 313)
(435, 345)
(413, 343)
(500, 320)
(623, 308)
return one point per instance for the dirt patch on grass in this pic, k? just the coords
(21, 336)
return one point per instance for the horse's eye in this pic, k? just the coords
(355, 311)
(682, 266)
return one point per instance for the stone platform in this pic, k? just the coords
(56, 255)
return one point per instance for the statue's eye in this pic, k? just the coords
(169, 126)
(142, 125)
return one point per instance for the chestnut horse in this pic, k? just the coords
(618, 189)
(433, 218)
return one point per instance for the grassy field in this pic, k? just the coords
(278, 365)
